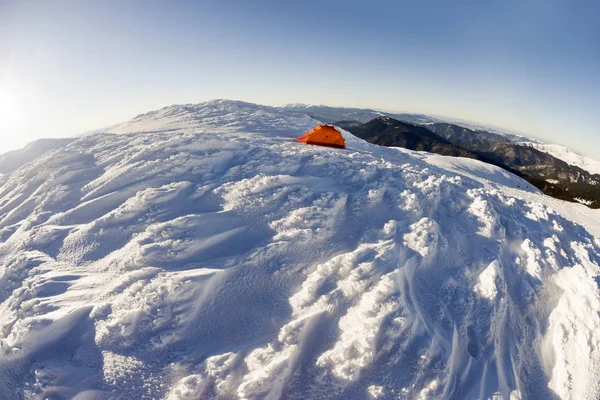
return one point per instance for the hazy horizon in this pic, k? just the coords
(524, 66)
(445, 118)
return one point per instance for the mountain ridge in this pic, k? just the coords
(586, 163)
(550, 174)
(330, 114)
(386, 131)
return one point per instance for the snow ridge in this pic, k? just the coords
(216, 115)
(567, 155)
(211, 256)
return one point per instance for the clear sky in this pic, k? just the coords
(67, 66)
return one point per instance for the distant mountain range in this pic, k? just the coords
(334, 114)
(386, 131)
(330, 115)
(524, 159)
(550, 174)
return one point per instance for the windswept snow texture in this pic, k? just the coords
(211, 256)
(570, 157)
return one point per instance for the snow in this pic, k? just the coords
(583, 201)
(199, 252)
(14, 159)
(495, 178)
(567, 155)
(486, 285)
(375, 391)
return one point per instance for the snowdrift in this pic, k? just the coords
(211, 256)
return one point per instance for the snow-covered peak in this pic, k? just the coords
(387, 120)
(216, 257)
(220, 115)
(301, 105)
(567, 155)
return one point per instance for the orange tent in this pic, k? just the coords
(323, 135)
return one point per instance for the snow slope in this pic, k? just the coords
(211, 256)
(14, 159)
(567, 155)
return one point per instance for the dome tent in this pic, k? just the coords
(323, 135)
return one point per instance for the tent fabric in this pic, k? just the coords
(323, 135)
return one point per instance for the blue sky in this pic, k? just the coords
(528, 65)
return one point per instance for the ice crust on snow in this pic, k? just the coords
(202, 253)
